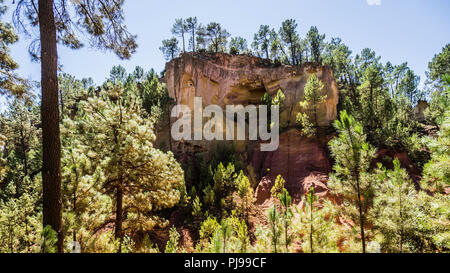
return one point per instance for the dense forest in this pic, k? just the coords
(83, 167)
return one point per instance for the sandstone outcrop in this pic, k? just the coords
(224, 79)
(302, 162)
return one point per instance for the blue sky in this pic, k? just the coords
(398, 30)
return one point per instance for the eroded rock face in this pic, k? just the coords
(225, 79)
(302, 162)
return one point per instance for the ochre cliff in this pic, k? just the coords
(224, 79)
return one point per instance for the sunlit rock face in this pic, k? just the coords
(303, 163)
(224, 79)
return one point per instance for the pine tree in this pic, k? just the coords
(311, 199)
(10, 83)
(396, 208)
(312, 100)
(286, 216)
(278, 186)
(197, 210)
(262, 40)
(350, 179)
(141, 179)
(19, 224)
(20, 165)
(238, 45)
(224, 181)
(241, 231)
(20, 126)
(170, 48)
(315, 43)
(71, 91)
(274, 226)
(276, 51)
(85, 207)
(317, 224)
(173, 245)
(370, 90)
(226, 232)
(217, 37)
(193, 28)
(245, 192)
(179, 29)
(437, 170)
(439, 66)
(207, 231)
(289, 36)
(61, 21)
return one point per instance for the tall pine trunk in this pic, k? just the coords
(193, 39)
(361, 216)
(51, 145)
(119, 216)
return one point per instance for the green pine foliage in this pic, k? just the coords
(275, 229)
(119, 189)
(437, 171)
(245, 192)
(396, 208)
(286, 218)
(10, 82)
(173, 244)
(130, 170)
(278, 186)
(316, 225)
(312, 100)
(351, 179)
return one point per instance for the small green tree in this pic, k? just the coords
(170, 48)
(238, 45)
(274, 226)
(48, 240)
(278, 186)
(439, 102)
(241, 231)
(197, 209)
(279, 99)
(245, 192)
(224, 181)
(173, 245)
(350, 179)
(312, 100)
(208, 229)
(437, 170)
(317, 224)
(286, 216)
(311, 199)
(396, 208)
(226, 232)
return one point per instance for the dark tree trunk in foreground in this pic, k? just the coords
(119, 216)
(51, 145)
